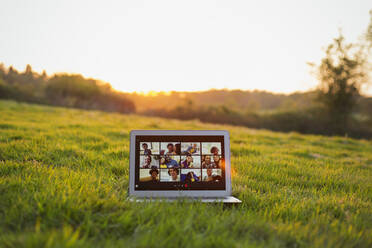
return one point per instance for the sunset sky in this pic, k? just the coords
(179, 45)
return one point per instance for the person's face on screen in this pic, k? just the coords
(147, 160)
(215, 150)
(209, 172)
(144, 146)
(170, 148)
(216, 158)
(154, 174)
(189, 159)
(207, 159)
(173, 173)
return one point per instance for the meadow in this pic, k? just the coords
(64, 179)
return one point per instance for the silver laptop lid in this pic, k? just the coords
(179, 163)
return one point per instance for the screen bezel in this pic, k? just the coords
(179, 193)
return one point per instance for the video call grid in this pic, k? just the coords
(163, 146)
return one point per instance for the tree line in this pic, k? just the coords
(67, 90)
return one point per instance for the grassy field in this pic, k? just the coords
(64, 179)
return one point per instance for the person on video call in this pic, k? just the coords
(163, 162)
(147, 162)
(209, 176)
(167, 162)
(173, 173)
(154, 172)
(215, 150)
(191, 177)
(191, 149)
(171, 149)
(154, 175)
(177, 148)
(146, 151)
(216, 161)
(188, 162)
(207, 163)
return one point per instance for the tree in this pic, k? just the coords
(2, 71)
(341, 74)
(28, 70)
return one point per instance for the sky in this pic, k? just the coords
(179, 45)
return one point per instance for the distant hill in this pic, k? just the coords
(239, 100)
(234, 99)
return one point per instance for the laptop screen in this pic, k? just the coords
(179, 163)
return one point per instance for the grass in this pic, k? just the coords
(64, 179)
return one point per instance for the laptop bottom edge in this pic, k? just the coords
(226, 199)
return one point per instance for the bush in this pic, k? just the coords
(78, 92)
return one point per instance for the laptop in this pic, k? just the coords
(171, 165)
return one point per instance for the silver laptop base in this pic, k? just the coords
(227, 199)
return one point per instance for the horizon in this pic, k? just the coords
(155, 93)
(166, 46)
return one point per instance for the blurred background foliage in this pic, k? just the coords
(300, 112)
(68, 90)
